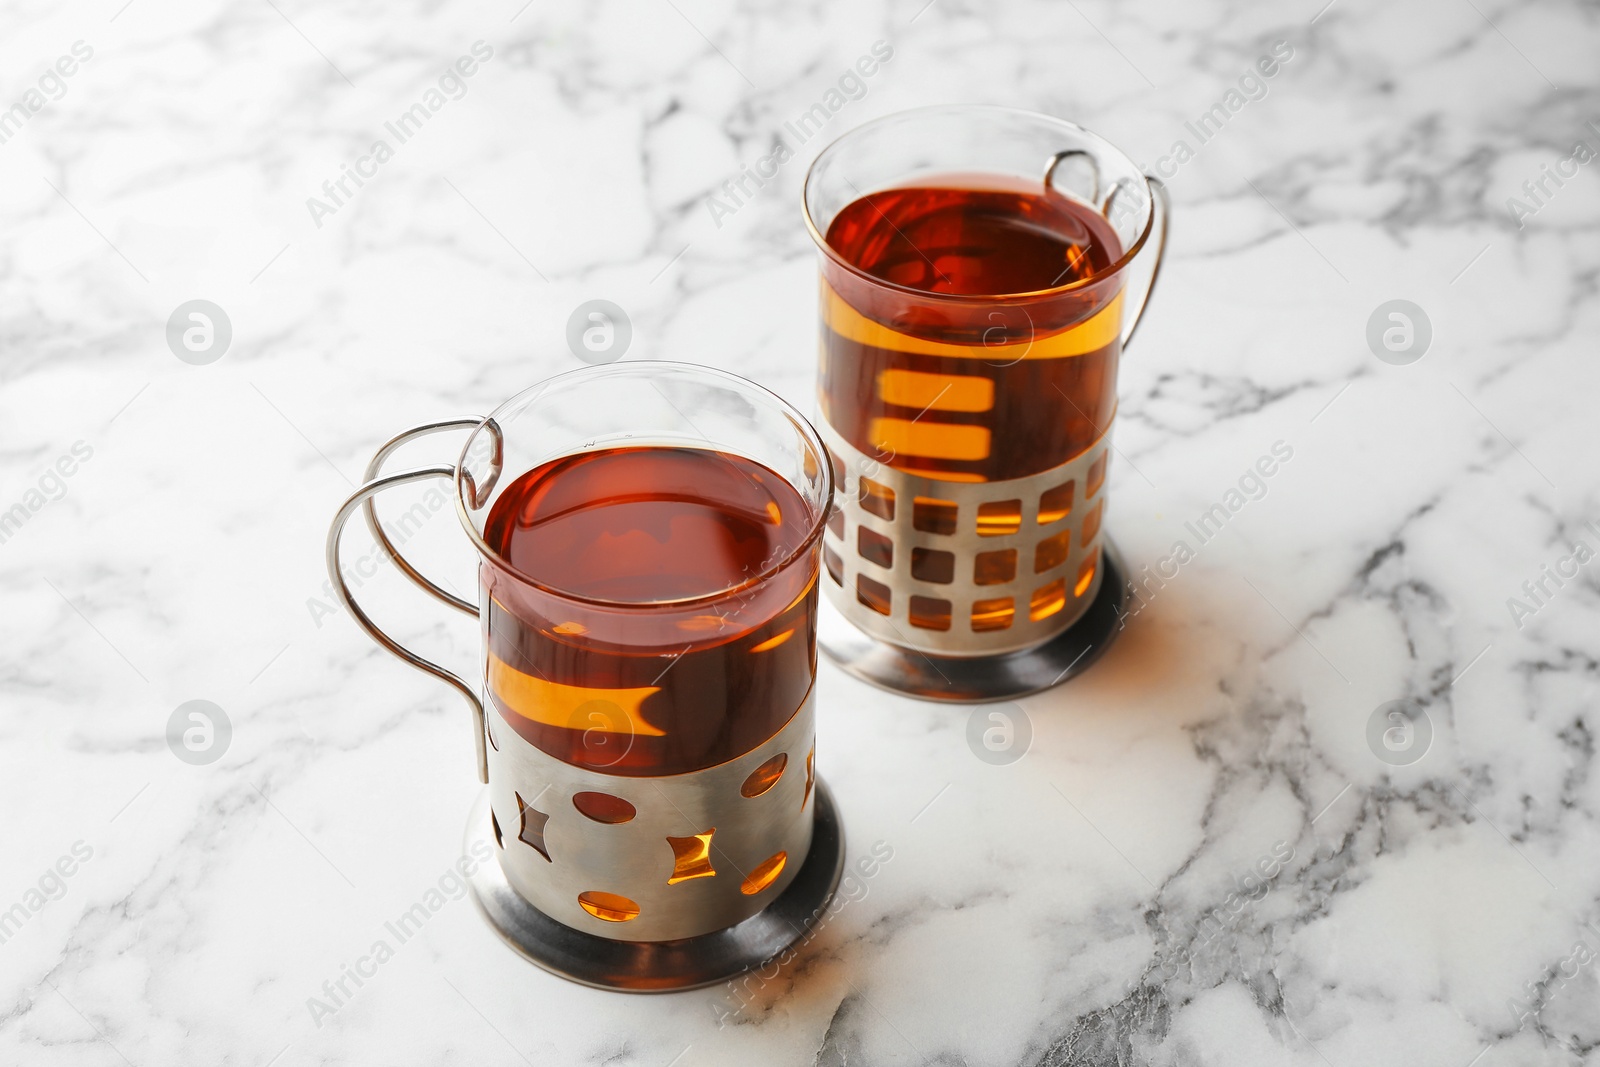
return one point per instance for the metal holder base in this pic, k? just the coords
(662, 966)
(982, 679)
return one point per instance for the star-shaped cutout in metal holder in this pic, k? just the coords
(531, 832)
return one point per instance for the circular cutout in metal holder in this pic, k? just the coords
(982, 679)
(662, 966)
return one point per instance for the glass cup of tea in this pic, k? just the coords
(648, 539)
(977, 292)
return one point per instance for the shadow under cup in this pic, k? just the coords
(651, 764)
(971, 428)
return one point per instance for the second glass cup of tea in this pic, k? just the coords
(975, 301)
(648, 539)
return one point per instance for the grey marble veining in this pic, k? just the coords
(1201, 858)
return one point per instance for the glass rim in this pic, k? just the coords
(808, 434)
(1099, 143)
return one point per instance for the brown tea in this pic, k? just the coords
(975, 343)
(637, 626)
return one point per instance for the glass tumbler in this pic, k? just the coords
(967, 404)
(645, 710)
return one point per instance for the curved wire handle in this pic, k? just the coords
(371, 511)
(1074, 153)
(362, 498)
(1163, 220)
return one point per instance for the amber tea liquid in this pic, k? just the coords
(971, 389)
(628, 633)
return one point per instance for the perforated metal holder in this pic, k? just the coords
(942, 581)
(663, 966)
(927, 596)
(615, 879)
(982, 679)
(688, 879)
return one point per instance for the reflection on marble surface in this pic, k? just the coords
(1209, 853)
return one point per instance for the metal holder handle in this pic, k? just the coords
(363, 498)
(1159, 189)
(1074, 153)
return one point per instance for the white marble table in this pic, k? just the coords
(1100, 901)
